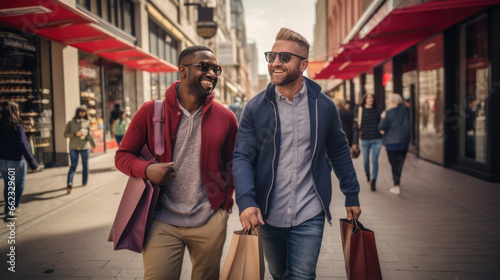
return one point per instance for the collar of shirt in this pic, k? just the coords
(186, 112)
(298, 95)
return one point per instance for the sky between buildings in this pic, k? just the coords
(264, 18)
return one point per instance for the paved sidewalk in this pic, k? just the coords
(443, 226)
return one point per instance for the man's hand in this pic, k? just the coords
(251, 217)
(160, 173)
(356, 210)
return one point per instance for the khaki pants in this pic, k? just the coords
(164, 249)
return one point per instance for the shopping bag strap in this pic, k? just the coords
(251, 231)
(159, 121)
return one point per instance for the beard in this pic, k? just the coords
(202, 88)
(291, 75)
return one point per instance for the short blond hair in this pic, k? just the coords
(290, 35)
(396, 98)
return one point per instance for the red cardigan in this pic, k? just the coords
(218, 136)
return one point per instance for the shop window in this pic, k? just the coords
(91, 95)
(409, 81)
(430, 97)
(130, 92)
(113, 88)
(369, 82)
(22, 62)
(387, 79)
(474, 99)
(347, 90)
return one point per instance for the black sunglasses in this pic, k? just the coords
(205, 67)
(284, 56)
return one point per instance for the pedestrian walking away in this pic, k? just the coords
(288, 139)
(349, 127)
(395, 126)
(14, 154)
(114, 115)
(80, 140)
(371, 139)
(121, 125)
(194, 172)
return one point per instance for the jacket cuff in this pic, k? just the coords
(245, 202)
(351, 200)
(139, 169)
(228, 204)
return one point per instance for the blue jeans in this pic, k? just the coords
(119, 139)
(73, 154)
(18, 170)
(373, 145)
(292, 253)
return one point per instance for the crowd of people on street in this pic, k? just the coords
(275, 156)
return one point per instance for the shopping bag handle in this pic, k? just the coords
(356, 225)
(250, 231)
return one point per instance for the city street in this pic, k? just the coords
(442, 226)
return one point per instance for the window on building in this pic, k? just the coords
(128, 17)
(165, 46)
(119, 13)
(474, 101)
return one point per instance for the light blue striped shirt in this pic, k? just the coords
(293, 199)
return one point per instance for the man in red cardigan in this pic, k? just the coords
(194, 171)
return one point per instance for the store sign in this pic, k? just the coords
(17, 44)
(226, 53)
(206, 27)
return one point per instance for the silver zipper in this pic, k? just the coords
(314, 151)
(274, 156)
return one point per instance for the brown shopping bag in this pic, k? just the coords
(360, 251)
(245, 259)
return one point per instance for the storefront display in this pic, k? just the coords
(91, 97)
(20, 83)
(101, 88)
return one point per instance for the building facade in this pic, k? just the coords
(57, 55)
(439, 55)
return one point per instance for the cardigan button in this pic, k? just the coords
(178, 113)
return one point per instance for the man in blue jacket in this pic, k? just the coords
(289, 138)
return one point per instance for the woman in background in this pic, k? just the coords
(371, 139)
(395, 125)
(121, 125)
(14, 152)
(80, 140)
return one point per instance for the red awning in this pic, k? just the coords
(58, 21)
(399, 30)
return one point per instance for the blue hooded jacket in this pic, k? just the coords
(257, 151)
